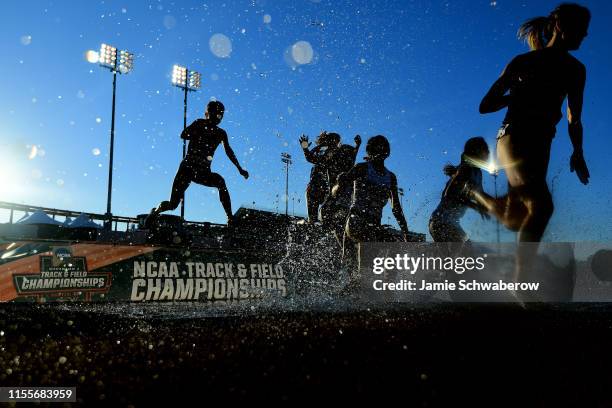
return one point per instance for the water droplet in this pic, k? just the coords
(220, 45)
(169, 22)
(302, 52)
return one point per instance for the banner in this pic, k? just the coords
(41, 271)
(385, 273)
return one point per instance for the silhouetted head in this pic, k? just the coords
(334, 139)
(476, 148)
(377, 148)
(215, 111)
(568, 23)
(321, 140)
(328, 139)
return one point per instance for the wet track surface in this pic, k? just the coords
(440, 354)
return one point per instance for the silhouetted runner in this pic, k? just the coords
(373, 186)
(335, 208)
(444, 223)
(317, 185)
(533, 87)
(204, 136)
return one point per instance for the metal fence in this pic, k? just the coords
(55, 212)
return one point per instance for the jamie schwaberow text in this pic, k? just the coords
(466, 285)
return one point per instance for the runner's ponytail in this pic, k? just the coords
(450, 170)
(535, 32)
(538, 31)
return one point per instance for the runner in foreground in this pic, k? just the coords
(532, 88)
(204, 136)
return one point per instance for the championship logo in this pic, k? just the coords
(62, 275)
(60, 254)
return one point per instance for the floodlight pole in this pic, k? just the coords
(286, 158)
(184, 140)
(118, 61)
(109, 215)
(287, 191)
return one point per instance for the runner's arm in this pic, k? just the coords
(574, 118)
(232, 156)
(190, 130)
(346, 179)
(312, 155)
(497, 98)
(357, 145)
(477, 186)
(396, 208)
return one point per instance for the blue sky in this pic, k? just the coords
(414, 71)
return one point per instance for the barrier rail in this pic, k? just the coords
(54, 212)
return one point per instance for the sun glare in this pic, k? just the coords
(11, 186)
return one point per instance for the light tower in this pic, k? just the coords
(118, 62)
(188, 81)
(286, 158)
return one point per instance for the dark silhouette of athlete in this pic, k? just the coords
(318, 184)
(444, 223)
(204, 136)
(373, 186)
(335, 208)
(532, 88)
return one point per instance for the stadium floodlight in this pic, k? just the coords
(195, 80)
(188, 81)
(179, 76)
(286, 158)
(118, 62)
(126, 61)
